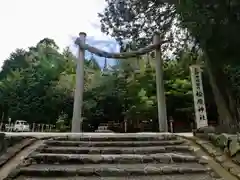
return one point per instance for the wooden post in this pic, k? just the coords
(12, 127)
(1, 125)
(171, 124)
(78, 97)
(162, 112)
(33, 127)
(42, 130)
(125, 125)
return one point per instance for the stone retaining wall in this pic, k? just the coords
(224, 148)
(228, 143)
(7, 142)
(2, 143)
(10, 146)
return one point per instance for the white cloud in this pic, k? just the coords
(25, 22)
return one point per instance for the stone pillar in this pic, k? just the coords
(78, 96)
(162, 111)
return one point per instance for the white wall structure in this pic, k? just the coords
(198, 96)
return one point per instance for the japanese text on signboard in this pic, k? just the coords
(199, 95)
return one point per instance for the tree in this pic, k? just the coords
(37, 85)
(211, 26)
(42, 91)
(15, 61)
(28, 83)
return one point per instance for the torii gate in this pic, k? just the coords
(78, 96)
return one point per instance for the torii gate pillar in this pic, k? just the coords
(78, 96)
(161, 102)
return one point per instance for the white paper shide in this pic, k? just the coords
(198, 96)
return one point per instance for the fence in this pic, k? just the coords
(6, 127)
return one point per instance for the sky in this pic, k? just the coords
(26, 22)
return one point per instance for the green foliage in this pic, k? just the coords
(41, 90)
(210, 26)
(61, 123)
(32, 90)
(127, 93)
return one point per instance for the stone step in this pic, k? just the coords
(204, 176)
(48, 158)
(119, 137)
(102, 170)
(114, 150)
(113, 143)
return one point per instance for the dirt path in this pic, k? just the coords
(212, 163)
(15, 161)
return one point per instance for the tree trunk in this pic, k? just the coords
(225, 116)
(233, 107)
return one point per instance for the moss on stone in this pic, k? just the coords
(222, 140)
(234, 146)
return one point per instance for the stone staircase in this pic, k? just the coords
(111, 157)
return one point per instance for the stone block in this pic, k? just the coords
(2, 143)
(221, 159)
(212, 137)
(233, 146)
(222, 140)
(206, 130)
